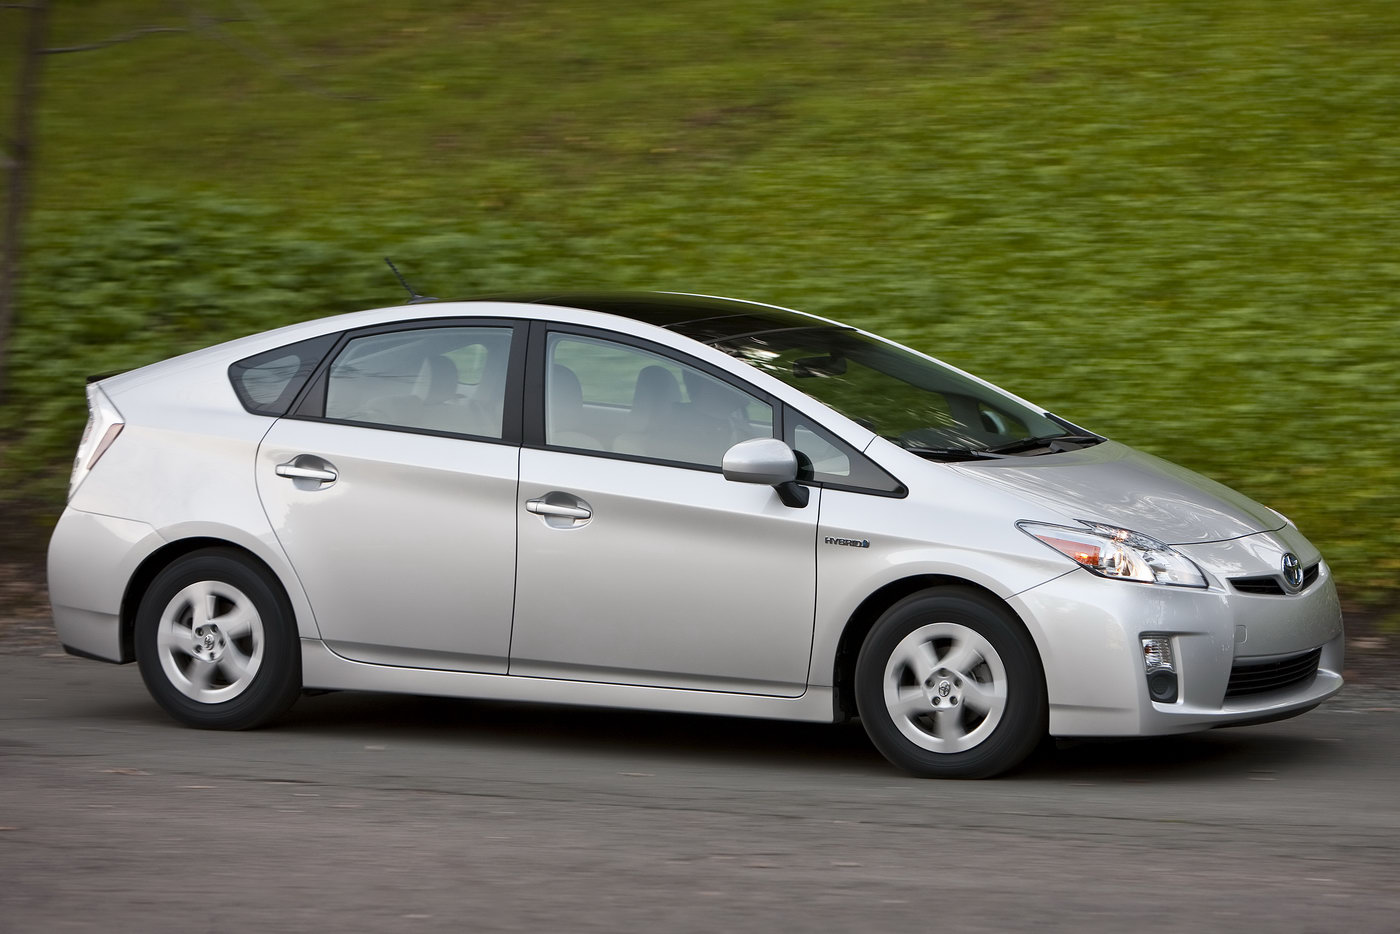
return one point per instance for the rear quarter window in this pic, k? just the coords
(266, 383)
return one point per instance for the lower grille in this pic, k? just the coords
(1256, 677)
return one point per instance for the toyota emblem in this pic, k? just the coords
(1292, 571)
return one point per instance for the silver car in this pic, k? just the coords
(670, 502)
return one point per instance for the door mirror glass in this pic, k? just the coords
(760, 460)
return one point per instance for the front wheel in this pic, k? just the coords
(949, 685)
(216, 643)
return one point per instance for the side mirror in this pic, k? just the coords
(768, 461)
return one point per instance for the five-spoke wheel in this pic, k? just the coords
(215, 642)
(945, 687)
(948, 684)
(210, 640)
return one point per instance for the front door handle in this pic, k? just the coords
(542, 507)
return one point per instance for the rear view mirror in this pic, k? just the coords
(819, 366)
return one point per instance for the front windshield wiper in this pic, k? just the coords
(951, 454)
(1030, 444)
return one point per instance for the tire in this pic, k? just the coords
(949, 685)
(216, 642)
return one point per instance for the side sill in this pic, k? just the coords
(322, 669)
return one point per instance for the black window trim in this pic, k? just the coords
(310, 404)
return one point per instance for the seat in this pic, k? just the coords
(713, 421)
(433, 404)
(488, 398)
(444, 408)
(565, 419)
(438, 380)
(650, 422)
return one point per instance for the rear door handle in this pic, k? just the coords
(541, 507)
(305, 473)
(298, 468)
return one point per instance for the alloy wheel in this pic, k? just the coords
(210, 641)
(945, 687)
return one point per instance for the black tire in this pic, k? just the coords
(941, 713)
(235, 664)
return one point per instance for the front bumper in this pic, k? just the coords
(1089, 629)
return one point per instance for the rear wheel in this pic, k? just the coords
(949, 685)
(216, 643)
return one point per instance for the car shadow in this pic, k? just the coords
(549, 727)
(1207, 756)
(1194, 757)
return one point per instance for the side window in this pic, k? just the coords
(448, 379)
(266, 383)
(604, 396)
(823, 458)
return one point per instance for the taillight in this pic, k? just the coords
(103, 425)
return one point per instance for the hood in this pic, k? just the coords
(1117, 485)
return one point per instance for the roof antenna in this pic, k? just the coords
(413, 297)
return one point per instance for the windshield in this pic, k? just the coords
(900, 395)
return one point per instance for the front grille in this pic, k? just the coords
(1256, 677)
(1266, 584)
(1272, 584)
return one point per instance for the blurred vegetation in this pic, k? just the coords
(1172, 223)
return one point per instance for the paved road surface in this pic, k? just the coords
(370, 813)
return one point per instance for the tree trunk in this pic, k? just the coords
(21, 157)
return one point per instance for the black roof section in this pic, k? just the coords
(699, 317)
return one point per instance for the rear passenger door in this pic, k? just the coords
(391, 486)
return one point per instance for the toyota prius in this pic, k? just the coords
(669, 502)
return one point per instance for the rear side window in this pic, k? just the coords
(266, 383)
(450, 380)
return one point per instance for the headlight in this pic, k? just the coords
(1119, 553)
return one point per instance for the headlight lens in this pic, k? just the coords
(1119, 553)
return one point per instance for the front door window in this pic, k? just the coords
(614, 398)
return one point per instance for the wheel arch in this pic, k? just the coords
(162, 558)
(860, 622)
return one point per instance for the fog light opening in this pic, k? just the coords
(1161, 686)
(1160, 668)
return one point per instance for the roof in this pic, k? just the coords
(703, 318)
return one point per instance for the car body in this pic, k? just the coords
(670, 502)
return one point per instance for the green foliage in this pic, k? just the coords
(1172, 223)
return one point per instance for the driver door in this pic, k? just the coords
(638, 562)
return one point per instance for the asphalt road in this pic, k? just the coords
(374, 813)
